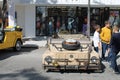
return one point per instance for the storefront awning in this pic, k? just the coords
(69, 2)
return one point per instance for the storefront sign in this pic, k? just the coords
(67, 2)
(72, 1)
(110, 2)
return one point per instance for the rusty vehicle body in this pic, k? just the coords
(56, 57)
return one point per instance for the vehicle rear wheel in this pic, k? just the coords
(18, 46)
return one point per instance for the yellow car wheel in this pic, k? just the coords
(18, 46)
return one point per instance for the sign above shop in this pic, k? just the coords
(72, 1)
(69, 2)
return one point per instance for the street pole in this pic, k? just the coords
(88, 16)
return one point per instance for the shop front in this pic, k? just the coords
(69, 15)
(76, 15)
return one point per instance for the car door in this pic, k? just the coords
(9, 38)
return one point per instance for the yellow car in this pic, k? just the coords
(11, 38)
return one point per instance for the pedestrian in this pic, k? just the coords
(105, 37)
(38, 24)
(70, 21)
(114, 48)
(84, 27)
(50, 24)
(58, 26)
(96, 39)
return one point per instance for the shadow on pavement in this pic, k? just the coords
(28, 74)
(77, 71)
(38, 38)
(30, 46)
(4, 54)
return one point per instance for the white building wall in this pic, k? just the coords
(20, 9)
(26, 19)
(30, 14)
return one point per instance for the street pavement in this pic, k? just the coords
(26, 65)
(39, 41)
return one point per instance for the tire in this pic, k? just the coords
(18, 45)
(71, 46)
(45, 69)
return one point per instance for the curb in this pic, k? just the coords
(34, 44)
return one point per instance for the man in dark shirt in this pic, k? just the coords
(114, 48)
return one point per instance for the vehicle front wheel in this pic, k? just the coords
(45, 69)
(18, 46)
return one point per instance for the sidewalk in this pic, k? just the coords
(39, 41)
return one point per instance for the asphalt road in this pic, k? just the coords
(26, 65)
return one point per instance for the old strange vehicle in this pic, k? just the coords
(11, 38)
(69, 53)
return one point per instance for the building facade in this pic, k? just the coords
(34, 15)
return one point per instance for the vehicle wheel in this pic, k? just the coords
(18, 46)
(46, 70)
(71, 46)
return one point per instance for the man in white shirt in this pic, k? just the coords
(96, 38)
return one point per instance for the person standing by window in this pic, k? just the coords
(114, 49)
(50, 24)
(84, 27)
(70, 21)
(38, 24)
(58, 25)
(96, 39)
(105, 36)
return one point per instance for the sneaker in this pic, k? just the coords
(103, 60)
(115, 71)
(111, 69)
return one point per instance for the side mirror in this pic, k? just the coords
(18, 28)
